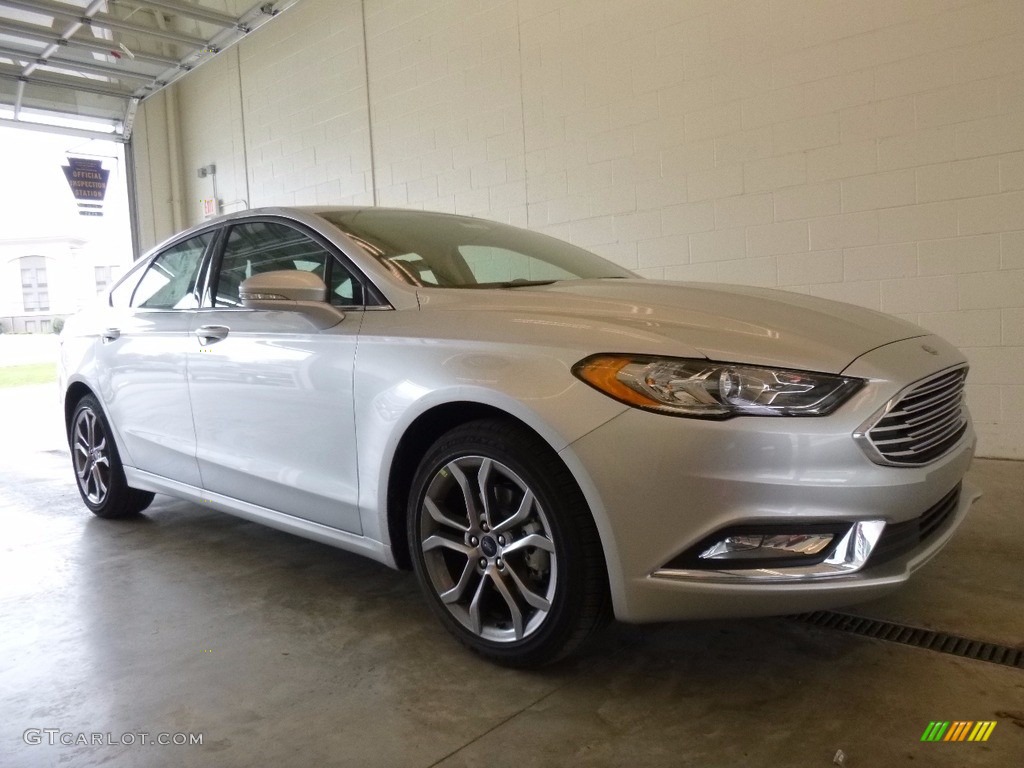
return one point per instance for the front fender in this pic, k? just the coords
(536, 387)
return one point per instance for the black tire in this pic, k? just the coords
(99, 473)
(533, 547)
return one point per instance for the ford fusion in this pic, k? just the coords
(544, 438)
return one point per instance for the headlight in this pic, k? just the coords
(706, 389)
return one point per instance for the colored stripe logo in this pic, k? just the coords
(958, 730)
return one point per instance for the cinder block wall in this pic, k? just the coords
(870, 151)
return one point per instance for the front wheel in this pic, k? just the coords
(504, 545)
(97, 465)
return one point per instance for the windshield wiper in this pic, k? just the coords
(519, 282)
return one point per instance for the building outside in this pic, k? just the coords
(43, 279)
(58, 250)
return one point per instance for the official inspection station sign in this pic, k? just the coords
(88, 181)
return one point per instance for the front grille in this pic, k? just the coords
(900, 538)
(921, 423)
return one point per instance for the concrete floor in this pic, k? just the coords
(280, 651)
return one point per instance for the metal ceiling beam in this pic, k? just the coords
(59, 81)
(106, 21)
(142, 29)
(252, 19)
(190, 11)
(46, 36)
(59, 129)
(37, 65)
(47, 8)
(62, 62)
(93, 8)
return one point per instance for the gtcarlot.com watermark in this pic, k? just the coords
(56, 737)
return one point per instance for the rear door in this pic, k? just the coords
(143, 352)
(271, 395)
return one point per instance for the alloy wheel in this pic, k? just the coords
(487, 549)
(91, 456)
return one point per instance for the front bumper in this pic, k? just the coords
(660, 485)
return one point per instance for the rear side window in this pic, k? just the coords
(170, 282)
(261, 246)
(121, 294)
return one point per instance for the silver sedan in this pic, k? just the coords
(546, 439)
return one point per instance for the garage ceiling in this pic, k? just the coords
(83, 66)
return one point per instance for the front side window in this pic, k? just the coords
(262, 246)
(170, 281)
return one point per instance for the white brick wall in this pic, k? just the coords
(303, 85)
(212, 90)
(446, 108)
(870, 151)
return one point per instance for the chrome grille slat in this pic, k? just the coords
(953, 429)
(938, 401)
(953, 418)
(940, 383)
(919, 447)
(916, 422)
(921, 423)
(921, 431)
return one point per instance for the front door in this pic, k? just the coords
(271, 395)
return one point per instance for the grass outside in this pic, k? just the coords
(18, 375)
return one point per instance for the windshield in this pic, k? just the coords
(432, 249)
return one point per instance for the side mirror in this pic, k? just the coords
(291, 290)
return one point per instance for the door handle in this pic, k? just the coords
(110, 334)
(211, 334)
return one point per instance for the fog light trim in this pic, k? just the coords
(754, 546)
(847, 550)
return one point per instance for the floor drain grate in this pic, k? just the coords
(919, 638)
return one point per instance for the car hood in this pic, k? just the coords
(721, 322)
